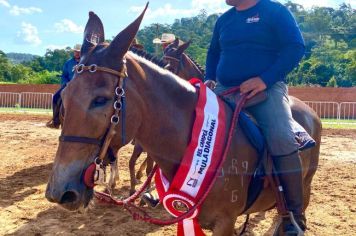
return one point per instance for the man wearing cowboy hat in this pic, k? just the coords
(67, 75)
(165, 40)
(68, 67)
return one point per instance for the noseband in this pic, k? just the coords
(96, 169)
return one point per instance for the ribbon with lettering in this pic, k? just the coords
(199, 163)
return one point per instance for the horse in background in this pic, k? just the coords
(180, 63)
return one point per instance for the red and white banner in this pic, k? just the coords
(199, 163)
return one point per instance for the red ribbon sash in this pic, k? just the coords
(199, 163)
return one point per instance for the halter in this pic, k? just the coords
(103, 143)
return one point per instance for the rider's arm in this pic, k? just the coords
(65, 75)
(291, 47)
(213, 55)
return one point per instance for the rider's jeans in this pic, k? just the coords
(274, 118)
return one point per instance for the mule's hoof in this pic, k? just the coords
(108, 191)
(51, 124)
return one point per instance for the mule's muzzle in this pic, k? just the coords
(71, 199)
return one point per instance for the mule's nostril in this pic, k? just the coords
(69, 197)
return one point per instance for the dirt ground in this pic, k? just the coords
(27, 149)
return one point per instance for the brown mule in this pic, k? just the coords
(159, 115)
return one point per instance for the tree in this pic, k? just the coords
(329, 34)
(332, 82)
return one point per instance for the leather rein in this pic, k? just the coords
(119, 109)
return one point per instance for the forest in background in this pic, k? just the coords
(329, 35)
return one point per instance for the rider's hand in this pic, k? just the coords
(210, 84)
(252, 87)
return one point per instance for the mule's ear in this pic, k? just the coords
(176, 43)
(93, 33)
(121, 43)
(183, 47)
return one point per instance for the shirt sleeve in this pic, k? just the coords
(213, 55)
(291, 45)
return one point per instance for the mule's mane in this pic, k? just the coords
(169, 77)
(142, 53)
(196, 64)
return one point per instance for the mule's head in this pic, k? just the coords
(177, 61)
(88, 102)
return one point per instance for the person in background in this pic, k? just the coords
(68, 68)
(255, 44)
(67, 76)
(165, 40)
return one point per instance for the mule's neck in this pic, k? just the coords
(168, 120)
(190, 68)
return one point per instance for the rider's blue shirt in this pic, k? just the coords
(264, 41)
(68, 71)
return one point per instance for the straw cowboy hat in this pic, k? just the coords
(77, 47)
(165, 38)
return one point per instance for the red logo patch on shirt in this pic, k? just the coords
(253, 19)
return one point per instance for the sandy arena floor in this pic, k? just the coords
(27, 149)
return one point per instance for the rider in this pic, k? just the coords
(165, 40)
(255, 44)
(67, 75)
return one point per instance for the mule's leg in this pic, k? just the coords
(143, 166)
(224, 226)
(149, 168)
(135, 155)
(114, 173)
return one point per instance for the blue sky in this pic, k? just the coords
(32, 26)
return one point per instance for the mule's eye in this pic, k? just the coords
(99, 102)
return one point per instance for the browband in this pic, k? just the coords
(93, 68)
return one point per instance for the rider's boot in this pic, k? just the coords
(289, 171)
(55, 121)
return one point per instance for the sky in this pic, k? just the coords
(32, 26)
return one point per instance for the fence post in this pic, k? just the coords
(338, 113)
(20, 99)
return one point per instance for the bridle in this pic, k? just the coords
(179, 61)
(96, 169)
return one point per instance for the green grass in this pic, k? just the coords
(338, 124)
(352, 122)
(26, 110)
(3, 82)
